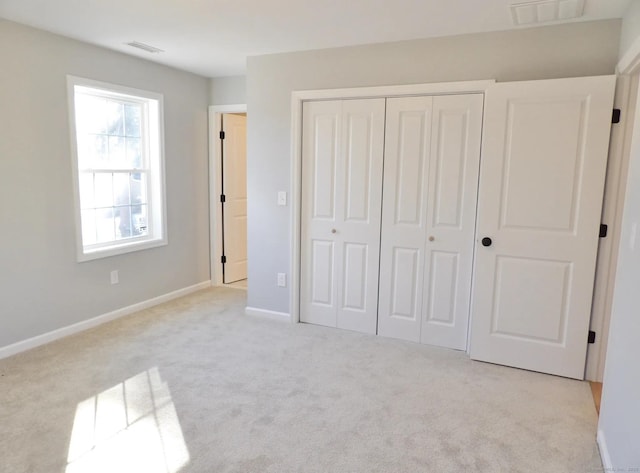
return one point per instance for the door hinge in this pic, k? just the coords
(222, 135)
(223, 198)
(592, 337)
(603, 230)
(223, 259)
(616, 116)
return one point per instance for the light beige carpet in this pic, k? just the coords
(197, 386)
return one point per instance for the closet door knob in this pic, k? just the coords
(486, 241)
(333, 230)
(432, 238)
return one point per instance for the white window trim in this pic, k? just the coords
(158, 190)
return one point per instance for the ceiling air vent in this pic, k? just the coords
(145, 47)
(544, 11)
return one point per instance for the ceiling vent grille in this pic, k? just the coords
(544, 11)
(145, 47)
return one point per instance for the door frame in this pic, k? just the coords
(626, 99)
(215, 185)
(300, 96)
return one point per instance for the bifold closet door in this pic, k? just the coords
(342, 160)
(542, 178)
(432, 152)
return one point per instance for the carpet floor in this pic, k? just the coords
(195, 385)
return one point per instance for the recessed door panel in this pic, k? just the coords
(530, 156)
(409, 163)
(450, 164)
(322, 273)
(404, 290)
(544, 159)
(443, 288)
(324, 165)
(355, 277)
(531, 299)
(359, 157)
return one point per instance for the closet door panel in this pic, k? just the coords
(404, 216)
(341, 198)
(358, 232)
(319, 252)
(451, 210)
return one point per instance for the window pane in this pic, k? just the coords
(105, 227)
(139, 218)
(90, 114)
(132, 120)
(92, 151)
(121, 188)
(123, 222)
(134, 153)
(88, 226)
(86, 190)
(104, 189)
(139, 188)
(117, 151)
(115, 118)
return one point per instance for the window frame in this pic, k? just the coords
(154, 168)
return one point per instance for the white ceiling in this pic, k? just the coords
(214, 37)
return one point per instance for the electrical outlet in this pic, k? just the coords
(115, 277)
(282, 280)
(282, 198)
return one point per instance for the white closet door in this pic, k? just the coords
(341, 198)
(542, 177)
(430, 188)
(404, 216)
(451, 210)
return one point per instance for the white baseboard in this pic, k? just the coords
(604, 452)
(48, 337)
(269, 314)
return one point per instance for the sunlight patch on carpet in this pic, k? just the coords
(130, 427)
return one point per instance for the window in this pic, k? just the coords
(118, 163)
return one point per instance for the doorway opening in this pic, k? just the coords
(228, 195)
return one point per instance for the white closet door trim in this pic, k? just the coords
(297, 97)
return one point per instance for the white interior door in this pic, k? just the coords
(341, 200)
(234, 188)
(432, 154)
(542, 176)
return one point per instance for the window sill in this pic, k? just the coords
(120, 249)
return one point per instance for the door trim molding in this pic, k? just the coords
(300, 96)
(215, 215)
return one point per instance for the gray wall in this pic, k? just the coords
(42, 287)
(230, 90)
(630, 27)
(578, 49)
(619, 422)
